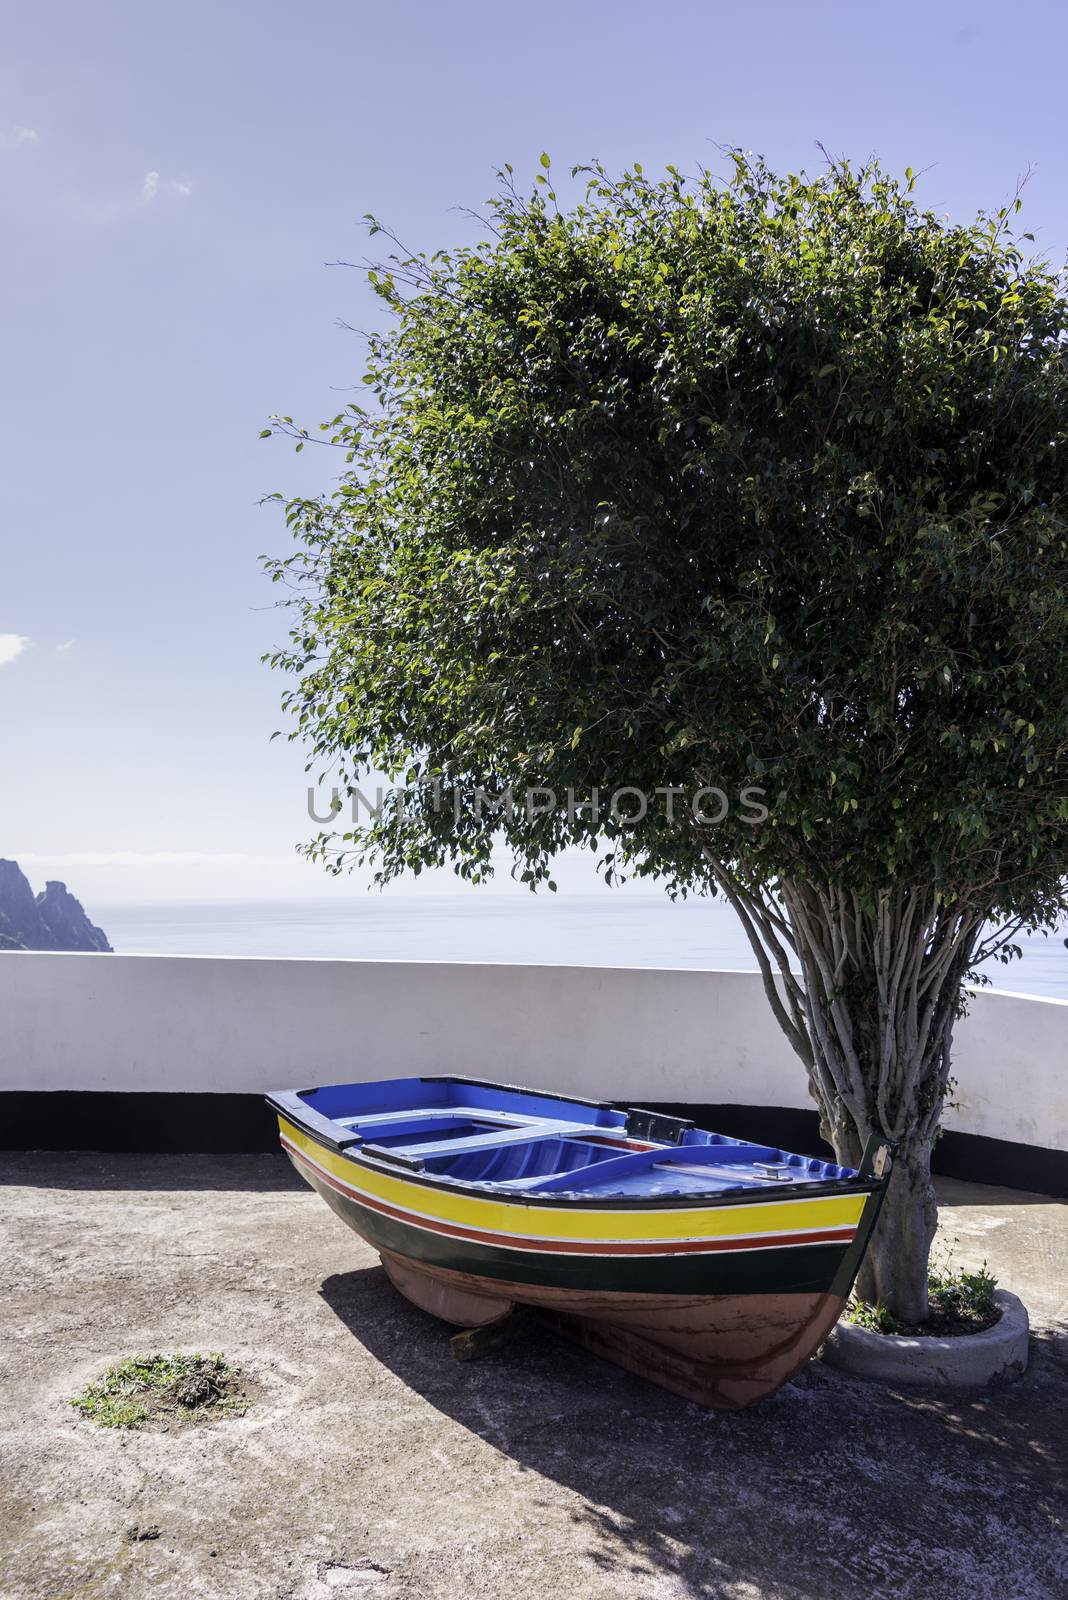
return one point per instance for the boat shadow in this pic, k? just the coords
(824, 1489)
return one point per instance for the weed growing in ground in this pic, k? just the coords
(875, 1318)
(161, 1387)
(959, 1302)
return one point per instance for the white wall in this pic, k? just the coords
(218, 1023)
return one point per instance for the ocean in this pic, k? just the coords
(611, 929)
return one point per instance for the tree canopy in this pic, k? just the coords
(699, 482)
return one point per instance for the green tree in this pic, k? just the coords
(698, 483)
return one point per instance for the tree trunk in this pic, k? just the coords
(882, 989)
(894, 1270)
(871, 1015)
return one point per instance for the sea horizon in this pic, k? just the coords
(629, 929)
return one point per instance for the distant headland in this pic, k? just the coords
(51, 920)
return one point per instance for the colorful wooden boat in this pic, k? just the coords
(712, 1266)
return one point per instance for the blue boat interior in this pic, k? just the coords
(506, 1140)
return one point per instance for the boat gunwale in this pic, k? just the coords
(356, 1154)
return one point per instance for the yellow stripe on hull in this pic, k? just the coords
(584, 1222)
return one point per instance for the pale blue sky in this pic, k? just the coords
(173, 180)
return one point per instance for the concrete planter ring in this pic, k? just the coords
(965, 1362)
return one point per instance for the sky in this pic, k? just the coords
(175, 181)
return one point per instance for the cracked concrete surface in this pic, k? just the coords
(373, 1464)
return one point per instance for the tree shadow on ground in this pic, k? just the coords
(831, 1490)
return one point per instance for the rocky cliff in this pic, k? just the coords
(51, 920)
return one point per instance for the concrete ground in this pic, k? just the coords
(372, 1463)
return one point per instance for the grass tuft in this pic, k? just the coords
(875, 1318)
(161, 1387)
(959, 1302)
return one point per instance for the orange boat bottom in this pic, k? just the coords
(725, 1351)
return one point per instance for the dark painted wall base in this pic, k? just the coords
(72, 1119)
(232, 1123)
